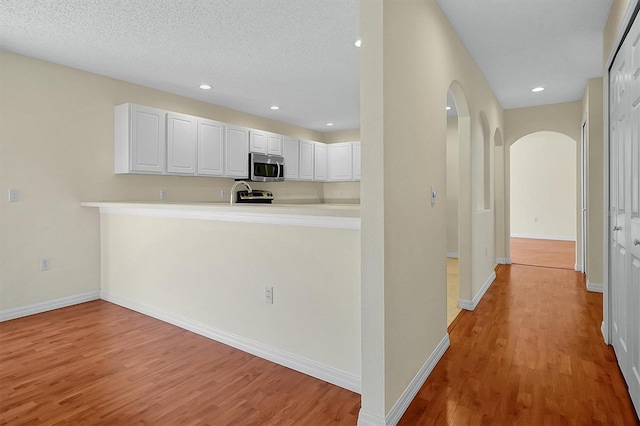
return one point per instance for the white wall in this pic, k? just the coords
(543, 186)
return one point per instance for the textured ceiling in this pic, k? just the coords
(299, 55)
(522, 44)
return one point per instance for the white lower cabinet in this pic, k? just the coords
(140, 139)
(236, 152)
(182, 143)
(307, 150)
(291, 151)
(320, 162)
(211, 137)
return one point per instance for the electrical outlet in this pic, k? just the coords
(44, 264)
(14, 195)
(268, 294)
(163, 194)
(535, 218)
(223, 194)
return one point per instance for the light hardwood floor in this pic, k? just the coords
(453, 290)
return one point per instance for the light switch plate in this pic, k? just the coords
(14, 195)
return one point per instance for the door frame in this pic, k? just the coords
(584, 159)
(627, 20)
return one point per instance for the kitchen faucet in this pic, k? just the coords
(233, 189)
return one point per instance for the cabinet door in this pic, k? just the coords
(210, 147)
(320, 163)
(340, 162)
(258, 141)
(147, 139)
(274, 144)
(356, 161)
(291, 150)
(182, 141)
(306, 163)
(236, 152)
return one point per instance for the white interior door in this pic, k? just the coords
(624, 209)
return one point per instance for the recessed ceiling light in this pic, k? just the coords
(329, 124)
(537, 89)
(358, 43)
(205, 87)
(448, 108)
(275, 107)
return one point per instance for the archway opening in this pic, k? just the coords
(543, 200)
(458, 188)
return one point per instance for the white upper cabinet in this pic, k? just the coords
(320, 162)
(211, 136)
(340, 161)
(236, 152)
(182, 142)
(291, 151)
(140, 139)
(274, 144)
(265, 142)
(258, 141)
(306, 163)
(356, 160)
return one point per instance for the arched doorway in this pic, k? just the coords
(458, 200)
(543, 182)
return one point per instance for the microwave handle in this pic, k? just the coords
(278, 174)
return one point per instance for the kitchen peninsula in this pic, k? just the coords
(207, 267)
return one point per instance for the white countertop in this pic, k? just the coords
(343, 216)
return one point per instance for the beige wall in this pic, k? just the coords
(314, 272)
(564, 118)
(452, 184)
(593, 114)
(612, 26)
(409, 58)
(56, 147)
(543, 186)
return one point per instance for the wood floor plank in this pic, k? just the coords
(100, 364)
(530, 354)
(545, 253)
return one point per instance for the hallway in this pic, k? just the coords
(531, 353)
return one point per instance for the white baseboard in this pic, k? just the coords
(452, 255)
(577, 268)
(595, 287)
(312, 368)
(470, 305)
(366, 418)
(603, 330)
(503, 260)
(395, 414)
(544, 237)
(48, 305)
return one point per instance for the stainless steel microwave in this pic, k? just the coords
(266, 168)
